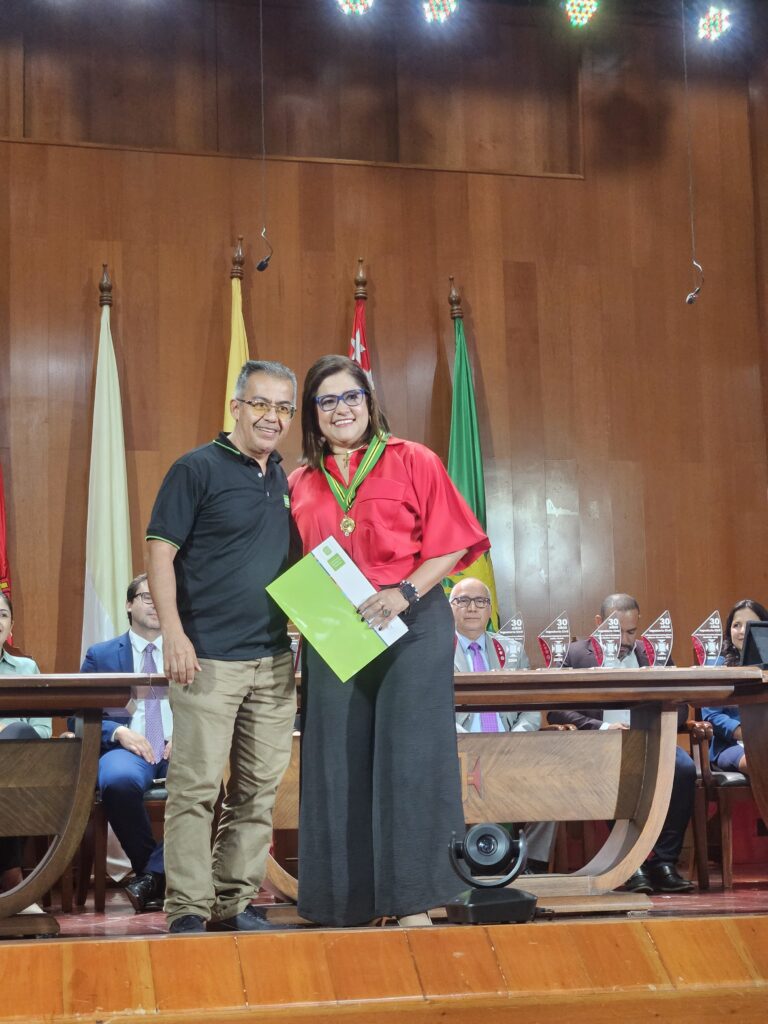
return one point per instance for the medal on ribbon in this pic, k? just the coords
(345, 496)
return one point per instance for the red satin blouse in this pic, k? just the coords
(406, 510)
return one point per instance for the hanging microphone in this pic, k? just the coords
(264, 262)
(692, 296)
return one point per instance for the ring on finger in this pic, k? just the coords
(386, 612)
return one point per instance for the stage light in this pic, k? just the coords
(439, 10)
(714, 24)
(580, 12)
(355, 6)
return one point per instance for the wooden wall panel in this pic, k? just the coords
(758, 95)
(623, 431)
(184, 75)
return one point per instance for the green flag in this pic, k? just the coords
(465, 463)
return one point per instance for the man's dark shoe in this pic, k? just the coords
(639, 882)
(187, 924)
(146, 892)
(664, 878)
(248, 920)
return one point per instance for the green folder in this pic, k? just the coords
(326, 617)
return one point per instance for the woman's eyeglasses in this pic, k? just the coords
(353, 397)
(467, 602)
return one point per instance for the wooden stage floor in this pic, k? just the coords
(690, 959)
(750, 896)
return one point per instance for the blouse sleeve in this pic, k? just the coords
(448, 524)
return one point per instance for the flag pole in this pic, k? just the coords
(238, 260)
(454, 301)
(105, 289)
(361, 291)
(465, 457)
(358, 345)
(238, 341)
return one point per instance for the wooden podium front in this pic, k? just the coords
(47, 786)
(618, 775)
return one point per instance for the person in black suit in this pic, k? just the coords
(659, 873)
(136, 747)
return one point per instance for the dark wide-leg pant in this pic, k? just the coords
(380, 785)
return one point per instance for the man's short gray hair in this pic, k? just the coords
(618, 603)
(270, 368)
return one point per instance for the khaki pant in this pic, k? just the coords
(241, 712)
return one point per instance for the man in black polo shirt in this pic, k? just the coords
(219, 533)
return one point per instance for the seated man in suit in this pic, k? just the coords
(479, 651)
(135, 748)
(659, 873)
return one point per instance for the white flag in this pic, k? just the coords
(108, 564)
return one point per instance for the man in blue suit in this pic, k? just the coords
(135, 747)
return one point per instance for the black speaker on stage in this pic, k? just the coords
(754, 650)
(489, 850)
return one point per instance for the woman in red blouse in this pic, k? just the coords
(380, 786)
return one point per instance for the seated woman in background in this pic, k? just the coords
(727, 751)
(11, 847)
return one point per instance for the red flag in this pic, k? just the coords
(5, 572)
(358, 345)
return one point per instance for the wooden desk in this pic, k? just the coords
(618, 775)
(47, 786)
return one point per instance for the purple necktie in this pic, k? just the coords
(153, 717)
(488, 720)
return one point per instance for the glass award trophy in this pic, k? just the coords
(657, 640)
(514, 628)
(555, 640)
(606, 642)
(708, 640)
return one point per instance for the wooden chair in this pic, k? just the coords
(724, 789)
(93, 849)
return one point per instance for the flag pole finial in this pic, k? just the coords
(454, 301)
(361, 292)
(238, 259)
(105, 287)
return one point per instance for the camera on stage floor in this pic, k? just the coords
(487, 851)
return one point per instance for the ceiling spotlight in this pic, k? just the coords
(355, 6)
(714, 24)
(439, 10)
(580, 12)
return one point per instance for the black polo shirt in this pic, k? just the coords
(231, 525)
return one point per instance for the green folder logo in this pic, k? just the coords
(336, 562)
(286, 501)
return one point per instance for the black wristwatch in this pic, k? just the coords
(409, 592)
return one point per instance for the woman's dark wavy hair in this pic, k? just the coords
(313, 444)
(730, 655)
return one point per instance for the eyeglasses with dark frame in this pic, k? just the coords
(284, 410)
(467, 602)
(144, 596)
(352, 398)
